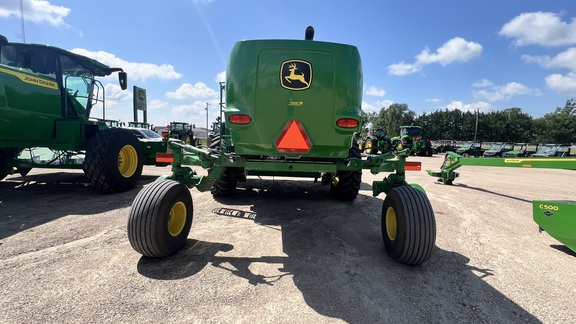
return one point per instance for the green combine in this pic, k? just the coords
(292, 108)
(47, 95)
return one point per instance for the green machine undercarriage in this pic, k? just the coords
(557, 218)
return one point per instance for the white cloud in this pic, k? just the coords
(482, 83)
(403, 68)
(36, 11)
(136, 71)
(220, 77)
(472, 107)
(373, 91)
(384, 103)
(562, 84)
(198, 90)
(434, 100)
(540, 28)
(157, 104)
(455, 50)
(368, 108)
(505, 92)
(566, 59)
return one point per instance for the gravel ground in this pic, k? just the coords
(282, 251)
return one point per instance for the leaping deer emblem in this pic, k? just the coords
(293, 76)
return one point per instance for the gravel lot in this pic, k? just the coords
(282, 251)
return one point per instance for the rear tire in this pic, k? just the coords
(3, 168)
(346, 184)
(408, 225)
(114, 160)
(215, 143)
(226, 184)
(160, 219)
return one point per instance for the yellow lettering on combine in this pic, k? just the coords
(548, 207)
(32, 79)
(295, 103)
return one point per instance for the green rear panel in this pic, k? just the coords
(325, 87)
(558, 219)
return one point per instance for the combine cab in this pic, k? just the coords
(292, 109)
(46, 97)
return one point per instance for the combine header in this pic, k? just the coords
(292, 108)
(557, 218)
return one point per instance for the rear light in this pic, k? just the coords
(412, 166)
(164, 157)
(347, 123)
(240, 119)
(416, 138)
(165, 134)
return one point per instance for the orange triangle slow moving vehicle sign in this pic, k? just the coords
(293, 138)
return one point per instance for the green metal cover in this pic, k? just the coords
(301, 87)
(558, 219)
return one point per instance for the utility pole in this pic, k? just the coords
(207, 105)
(23, 36)
(476, 129)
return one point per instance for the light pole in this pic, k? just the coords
(207, 105)
(476, 129)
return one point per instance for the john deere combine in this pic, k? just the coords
(292, 108)
(557, 218)
(46, 97)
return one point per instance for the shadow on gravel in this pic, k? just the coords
(26, 202)
(488, 191)
(564, 249)
(198, 254)
(336, 258)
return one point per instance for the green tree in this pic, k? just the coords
(394, 116)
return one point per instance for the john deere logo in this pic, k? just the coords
(296, 75)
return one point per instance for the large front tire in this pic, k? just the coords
(408, 225)
(160, 219)
(114, 160)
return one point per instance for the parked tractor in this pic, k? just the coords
(183, 131)
(292, 108)
(414, 137)
(46, 97)
(377, 141)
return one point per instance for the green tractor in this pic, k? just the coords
(413, 137)
(377, 141)
(183, 131)
(46, 97)
(292, 109)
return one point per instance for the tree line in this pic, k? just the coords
(508, 125)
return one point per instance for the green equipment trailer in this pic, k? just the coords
(557, 218)
(292, 108)
(46, 97)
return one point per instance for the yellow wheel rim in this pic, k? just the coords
(127, 161)
(391, 225)
(335, 181)
(177, 218)
(187, 139)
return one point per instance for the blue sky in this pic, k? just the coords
(444, 54)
